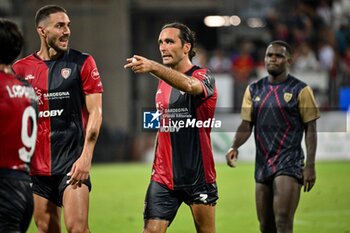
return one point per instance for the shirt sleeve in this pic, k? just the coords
(90, 77)
(307, 105)
(207, 81)
(246, 111)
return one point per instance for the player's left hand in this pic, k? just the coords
(80, 171)
(309, 178)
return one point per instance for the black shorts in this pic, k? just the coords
(163, 203)
(52, 187)
(292, 173)
(16, 205)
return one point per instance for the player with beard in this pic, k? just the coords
(69, 88)
(281, 109)
(183, 167)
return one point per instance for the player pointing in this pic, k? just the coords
(183, 168)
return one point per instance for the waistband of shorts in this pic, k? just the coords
(10, 173)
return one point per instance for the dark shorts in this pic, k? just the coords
(16, 205)
(52, 187)
(292, 173)
(163, 203)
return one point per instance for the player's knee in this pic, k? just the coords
(47, 226)
(42, 226)
(284, 223)
(77, 227)
(150, 230)
(154, 226)
(267, 226)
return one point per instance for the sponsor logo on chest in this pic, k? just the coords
(50, 113)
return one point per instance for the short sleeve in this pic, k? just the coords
(307, 105)
(207, 81)
(90, 77)
(246, 111)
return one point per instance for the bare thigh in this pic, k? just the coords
(204, 217)
(264, 207)
(76, 208)
(155, 226)
(286, 199)
(47, 215)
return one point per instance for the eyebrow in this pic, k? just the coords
(277, 54)
(166, 40)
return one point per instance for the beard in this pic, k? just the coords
(52, 44)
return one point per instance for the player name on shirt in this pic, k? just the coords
(18, 91)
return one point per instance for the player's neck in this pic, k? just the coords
(279, 78)
(6, 69)
(183, 66)
(47, 54)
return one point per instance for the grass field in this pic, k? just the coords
(118, 193)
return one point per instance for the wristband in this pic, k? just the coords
(231, 149)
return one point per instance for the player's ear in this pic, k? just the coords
(187, 48)
(40, 30)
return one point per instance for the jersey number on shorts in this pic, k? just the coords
(28, 139)
(203, 198)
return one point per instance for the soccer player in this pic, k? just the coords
(69, 88)
(18, 119)
(281, 109)
(183, 167)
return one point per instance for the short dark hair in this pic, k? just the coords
(11, 41)
(45, 11)
(283, 44)
(186, 36)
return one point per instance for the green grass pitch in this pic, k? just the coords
(118, 192)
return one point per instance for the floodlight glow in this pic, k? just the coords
(255, 23)
(235, 20)
(215, 21)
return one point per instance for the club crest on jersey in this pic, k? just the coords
(65, 72)
(287, 96)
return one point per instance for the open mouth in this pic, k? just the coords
(64, 41)
(166, 56)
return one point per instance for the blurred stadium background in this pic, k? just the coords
(232, 37)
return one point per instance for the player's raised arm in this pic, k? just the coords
(176, 79)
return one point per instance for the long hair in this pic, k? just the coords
(186, 36)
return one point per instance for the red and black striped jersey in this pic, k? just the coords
(60, 86)
(184, 158)
(18, 119)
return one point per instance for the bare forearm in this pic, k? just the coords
(92, 132)
(176, 79)
(94, 108)
(243, 133)
(311, 143)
